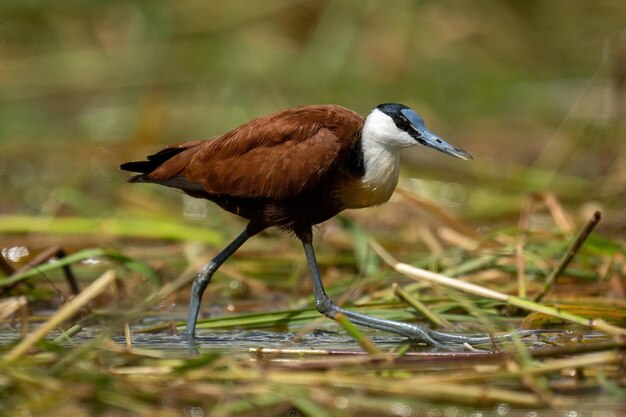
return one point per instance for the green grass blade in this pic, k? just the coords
(125, 261)
(112, 226)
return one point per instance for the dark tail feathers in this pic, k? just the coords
(153, 162)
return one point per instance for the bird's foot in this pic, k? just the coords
(193, 346)
(446, 341)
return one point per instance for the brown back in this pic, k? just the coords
(277, 156)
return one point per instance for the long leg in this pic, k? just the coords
(328, 308)
(204, 278)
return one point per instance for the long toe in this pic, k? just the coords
(450, 338)
(424, 334)
(458, 339)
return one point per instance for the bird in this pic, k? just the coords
(293, 170)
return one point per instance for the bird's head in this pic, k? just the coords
(397, 125)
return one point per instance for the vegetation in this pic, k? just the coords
(534, 90)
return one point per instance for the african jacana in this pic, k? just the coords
(293, 170)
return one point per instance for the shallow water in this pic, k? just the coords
(325, 336)
(591, 403)
(238, 341)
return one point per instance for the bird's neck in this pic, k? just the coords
(381, 153)
(380, 172)
(381, 165)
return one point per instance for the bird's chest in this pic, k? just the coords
(377, 183)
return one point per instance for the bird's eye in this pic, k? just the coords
(403, 123)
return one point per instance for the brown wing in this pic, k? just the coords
(277, 156)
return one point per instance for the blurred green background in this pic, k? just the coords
(535, 90)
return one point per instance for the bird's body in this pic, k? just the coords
(293, 170)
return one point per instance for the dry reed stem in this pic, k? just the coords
(456, 239)
(11, 305)
(463, 393)
(569, 255)
(127, 338)
(65, 312)
(521, 268)
(558, 213)
(580, 361)
(437, 211)
(429, 239)
(420, 274)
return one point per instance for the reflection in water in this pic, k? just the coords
(237, 341)
(241, 341)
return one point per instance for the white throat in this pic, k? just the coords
(381, 164)
(382, 142)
